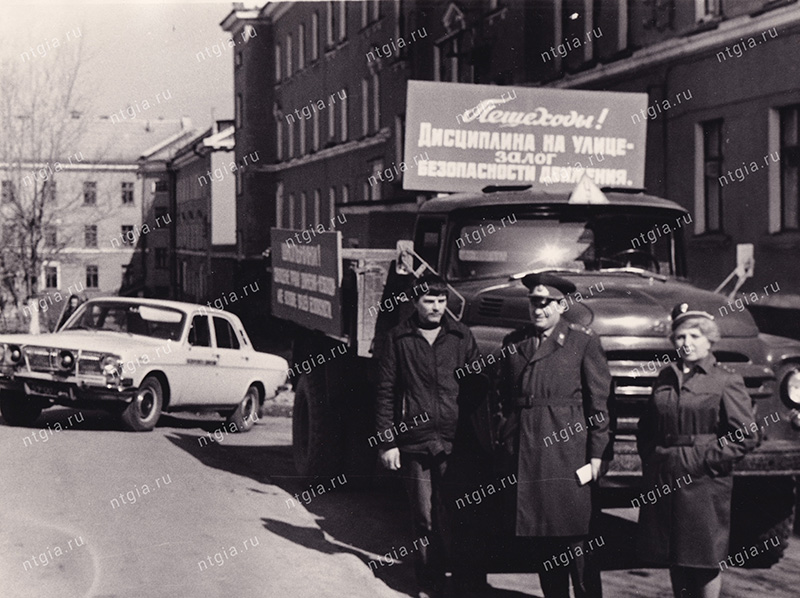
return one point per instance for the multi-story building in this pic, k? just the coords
(92, 211)
(204, 207)
(722, 114)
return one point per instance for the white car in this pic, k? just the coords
(141, 357)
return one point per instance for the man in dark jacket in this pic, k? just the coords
(417, 414)
(554, 392)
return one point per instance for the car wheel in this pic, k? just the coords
(142, 414)
(18, 410)
(246, 414)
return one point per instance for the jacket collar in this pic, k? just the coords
(704, 366)
(555, 340)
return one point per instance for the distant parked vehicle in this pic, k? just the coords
(139, 357)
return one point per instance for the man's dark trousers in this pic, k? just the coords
(424, 479)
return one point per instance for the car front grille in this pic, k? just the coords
(41, 359)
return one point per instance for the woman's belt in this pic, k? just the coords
(685, 439)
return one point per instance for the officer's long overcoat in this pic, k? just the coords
(694, 429)
(549, 395)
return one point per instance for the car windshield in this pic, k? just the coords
(492, 247)
(130, 318)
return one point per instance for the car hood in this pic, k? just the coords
(619, 304)
(89, 340)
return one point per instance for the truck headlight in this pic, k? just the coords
(793, 387)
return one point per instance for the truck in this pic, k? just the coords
(622, 248)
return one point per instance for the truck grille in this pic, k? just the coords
(490, 307)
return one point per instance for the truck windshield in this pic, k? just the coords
(488, 247)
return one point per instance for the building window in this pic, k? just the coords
(160, 213)
(49, 190)
(364, 13)
(317, 203)
(239, 111)
(291, 211)
(377, 172)
(376, 9)
(127, 234)
(160, 186)
(161, 258)
(331, 125)
(92, 277)
(790, 167)
(707, 10)
(712, 166)
(329, 20)
(301, 47)
(90, 235)
(303, 210)
(279, 136)
(89, 193)
(376, 102)
(290, 137)
(315, 131)
(278, 63)
(8, 192)
(448, 66)
(314, 36)
(288, 55)
(345, 193)
(279, 205)
(50, 235)
(51, 277)
(342, 20)
(302, 136)
(365, 107)
(331, 201)
(127, 192)
(399, 137)
(343, 106)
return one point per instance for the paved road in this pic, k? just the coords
(92, 511)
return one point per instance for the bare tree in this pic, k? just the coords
(40, 130)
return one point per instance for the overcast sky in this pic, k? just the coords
(137, 51)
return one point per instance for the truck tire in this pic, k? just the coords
(762, 514)
(18, 410)
(315, 438)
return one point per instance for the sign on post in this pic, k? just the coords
(307, 280)
(474, 136)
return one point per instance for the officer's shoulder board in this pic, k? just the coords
(579, 328)
(724, 368)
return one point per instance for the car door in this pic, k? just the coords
(234, 371)
(197, 383)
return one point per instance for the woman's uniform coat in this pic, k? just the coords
(549, 395)
(695, 427)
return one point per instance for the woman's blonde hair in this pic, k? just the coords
(708, 327)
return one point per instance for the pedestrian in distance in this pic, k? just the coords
(557, 378)
(418, 393)
(695, 402)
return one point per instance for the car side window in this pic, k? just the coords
(199, 334)
(226, 336)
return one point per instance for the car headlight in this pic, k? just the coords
(14, 353)
(110, 365)
(66, 360)
(793, 387)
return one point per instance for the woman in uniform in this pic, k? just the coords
(688, 454)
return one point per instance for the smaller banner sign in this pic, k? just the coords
(307, 279)
(473, 136)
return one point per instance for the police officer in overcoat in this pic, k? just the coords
(554, 392)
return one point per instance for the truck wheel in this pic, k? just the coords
(246, 414)
(762, 513)
(142, 414)
(314, 431)
(18, 410)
